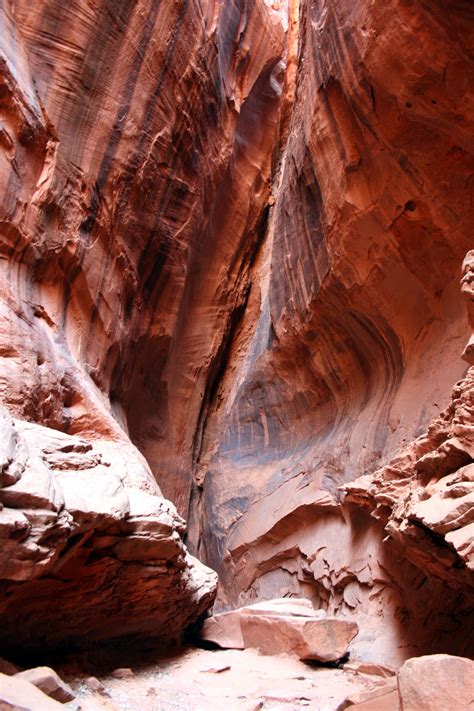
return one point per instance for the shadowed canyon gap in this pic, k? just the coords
(231, 237)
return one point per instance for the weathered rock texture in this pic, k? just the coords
(352, 341)
(436, 682)
(137, 145)
(282, 627)
(46, 679)
(230, 242)
(20, 695)
(425, 496)
(83, 556)
(467, 287)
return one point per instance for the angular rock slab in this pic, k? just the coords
(225, 630)
(282, 626)
(19, 695)
(324, 640)
(435, 682)
(386, 702)
(382, 696)
(50, 683)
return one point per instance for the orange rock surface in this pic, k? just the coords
(231, 237)
(354, 332)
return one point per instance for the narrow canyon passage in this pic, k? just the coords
(235, 354)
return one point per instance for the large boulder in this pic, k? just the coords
(81, 518)
(225, 628)
(437, 682)
(20, 695)
(325, 640)
(282, 626)
(50, 683)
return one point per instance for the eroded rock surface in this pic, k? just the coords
(137, 144)
(354, 341)
(230, 240)
(436, 682)
(85, 556)
(46, 679)
(425, 496)
(20, 695)
(467, 288)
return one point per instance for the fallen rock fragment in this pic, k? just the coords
(20, 695)
(282, 626)
(71, 530)
(216, 669)
(96, 686)
(385, 702)
(123, 673)
(310, 639)
(223, 630)
(435, 682)
(49, 682)
(370, 669)
(375, 694)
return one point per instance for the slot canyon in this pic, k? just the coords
(237, 355)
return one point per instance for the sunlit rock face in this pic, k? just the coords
(231, 237)
(137, 144)
(86, 555)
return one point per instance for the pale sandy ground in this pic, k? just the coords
(205, 680)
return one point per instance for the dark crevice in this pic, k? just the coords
(221, 360)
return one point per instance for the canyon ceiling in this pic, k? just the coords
(231, 238)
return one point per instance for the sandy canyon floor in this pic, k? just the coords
(201, 680)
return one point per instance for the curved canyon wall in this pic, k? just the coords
(137, 148)
(356, 330)
(231, 236)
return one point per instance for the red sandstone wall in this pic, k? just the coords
(355, 332)
(137, 145)
(231, 239)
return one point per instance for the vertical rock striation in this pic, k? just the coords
(230, 239)
(137, 143)
(353, 342)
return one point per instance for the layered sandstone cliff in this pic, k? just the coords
(230, 244)
(354, 340)
(137, 147)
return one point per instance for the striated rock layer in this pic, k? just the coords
(352, 338)
(230, 241)
(136, 153)
(425, 496)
